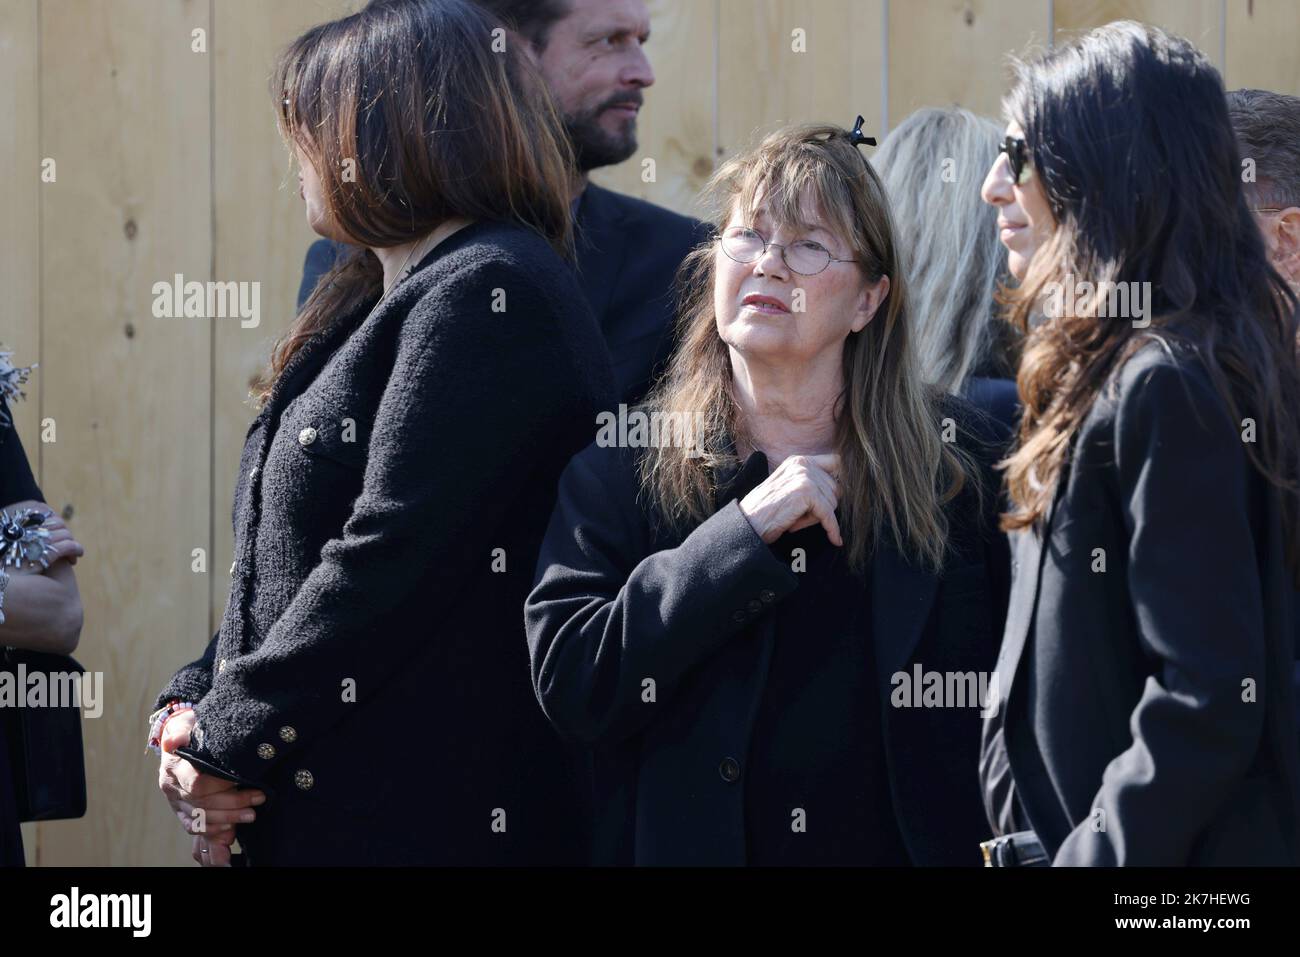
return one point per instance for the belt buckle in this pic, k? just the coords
(992, 851)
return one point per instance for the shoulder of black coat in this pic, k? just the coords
(611, 466)
(498, 256)
(1159, 363)
(642, 219)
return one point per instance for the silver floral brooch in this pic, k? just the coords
(23, 538)
(12, 380)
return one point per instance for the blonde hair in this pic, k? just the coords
(896, 473)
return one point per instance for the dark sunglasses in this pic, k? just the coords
(1018, 156)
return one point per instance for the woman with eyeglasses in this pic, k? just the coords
(774, 627)
(1146, 669)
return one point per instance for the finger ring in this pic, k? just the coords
(203, 850)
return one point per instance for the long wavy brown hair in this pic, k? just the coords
(1128, 133)
(414, 112)
(896, 471)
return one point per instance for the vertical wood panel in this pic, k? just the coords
(1263, 45)
(20, 189)
(20, 186)
(955, 52)
(675, 128)
(125, 112)
(765, 84)
(1196, 20)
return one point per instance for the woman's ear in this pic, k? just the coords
(1286, 245)
(873, 294)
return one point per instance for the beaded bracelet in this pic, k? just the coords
(158, 721)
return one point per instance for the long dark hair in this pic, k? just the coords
(1128, 133)
(413, 112)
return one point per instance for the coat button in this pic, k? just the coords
(307, 436)
(738, 616)
(730, 770)
(767, 595)
(252, 473)
(755, 607)
(221, 666)
(265, 751)
(288, 735)
(303, 780)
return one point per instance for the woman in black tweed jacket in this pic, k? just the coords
(370, 676)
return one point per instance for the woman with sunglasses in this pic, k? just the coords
(775, 630)
(1146, 669)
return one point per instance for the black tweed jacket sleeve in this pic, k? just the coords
(459, 386)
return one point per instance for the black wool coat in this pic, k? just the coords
(371, 671)
(619, 598)
(1148, 714)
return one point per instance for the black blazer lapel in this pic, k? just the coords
(902, 595)
(1027, 551)
(601, 245)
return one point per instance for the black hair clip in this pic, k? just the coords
(857, 137)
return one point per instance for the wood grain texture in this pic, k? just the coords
(1197, 20)
(125, 112)
(955, 52)
(20, 198)
(1263, 45)
(765, 82)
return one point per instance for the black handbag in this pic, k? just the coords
(45, 746)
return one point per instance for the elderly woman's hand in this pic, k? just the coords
(802, 491)
(221, 803)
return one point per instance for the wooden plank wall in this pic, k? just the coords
(168, 162)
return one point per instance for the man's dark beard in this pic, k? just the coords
(593, 146)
